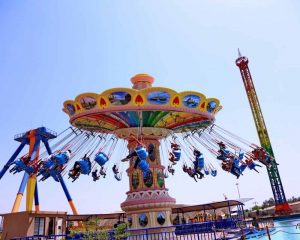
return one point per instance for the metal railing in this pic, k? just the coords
(193, 232)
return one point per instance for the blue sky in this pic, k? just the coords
(51, 51)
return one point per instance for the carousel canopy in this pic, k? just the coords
(142, 106)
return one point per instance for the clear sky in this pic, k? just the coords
(51, 51)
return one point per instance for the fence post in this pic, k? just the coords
(268, 232)
(243, 234)
(146, 234)
(214, 231)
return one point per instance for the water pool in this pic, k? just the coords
(285, 230)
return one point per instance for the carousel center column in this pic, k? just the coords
(148, 204)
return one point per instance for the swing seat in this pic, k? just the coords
(20, 165)
(221, 157)
(48, 164)
(206, 171)
(141, 152)
(224, 153)
(200, 162)
(177, 154)
(236, 162)
(236, 170)
(241, 155)
(251, 166)
(61, 158)
(243, 167)
(85, 167)
(101, 158)
(268, 159)
(118, 177)
(144, 166)
(213, 173)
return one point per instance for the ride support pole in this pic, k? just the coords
(20, 193)
(30, 192)
(268, 232)
(62, 182)
(45, 141)
(36, 198)
(34, 147)
(243, 234)
(13, 157)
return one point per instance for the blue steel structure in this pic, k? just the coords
(33, 138)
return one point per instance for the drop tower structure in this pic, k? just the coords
(281, 205)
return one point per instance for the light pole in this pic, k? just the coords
(237, 186)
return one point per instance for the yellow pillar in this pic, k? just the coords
(17, 203)
(30, 192)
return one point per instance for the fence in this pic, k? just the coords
(196, 232)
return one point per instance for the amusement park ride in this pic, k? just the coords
(155, 129)
(281, 204)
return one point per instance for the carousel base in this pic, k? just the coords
(149, 209)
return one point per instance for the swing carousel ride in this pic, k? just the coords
(157, 130)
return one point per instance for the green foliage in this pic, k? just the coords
(268, 203)
(91, 230)
(255, 208)
(293, 199)
(120, 231)
(99, 235)
(92, 224)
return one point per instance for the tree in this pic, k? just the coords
(120, 231)
(90, 230)
(268, 203)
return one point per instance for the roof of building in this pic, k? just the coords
(179, 208)
(207, 206)
(85, 217)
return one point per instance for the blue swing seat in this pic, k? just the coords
(200, 161)
(141, 152)
(177, 154)
(101, 158)
(251, 166)
(48, 164)
(85, 166)
(144, 167)
(243, 167)
(213, 173)
(20, 165)
(61, 158)
(118, 176)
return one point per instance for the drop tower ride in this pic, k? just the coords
(281, 205)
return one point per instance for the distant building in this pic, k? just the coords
(21, 224)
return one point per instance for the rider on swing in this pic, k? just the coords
(74, 173)
(223, 152)
(95, 175)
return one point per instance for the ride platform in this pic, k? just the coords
(41, 131)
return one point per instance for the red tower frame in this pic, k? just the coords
(281, 205)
